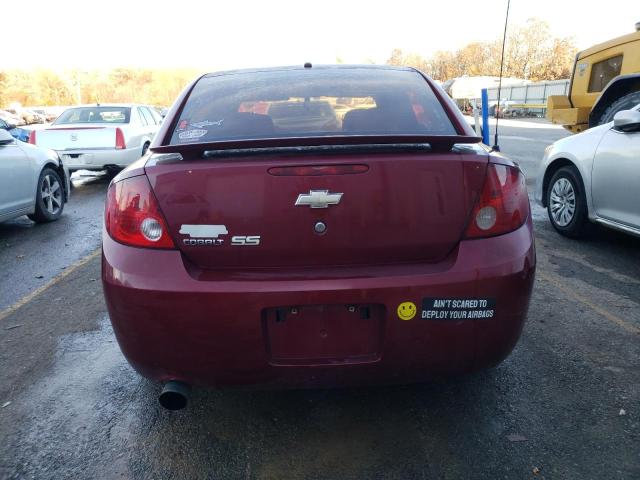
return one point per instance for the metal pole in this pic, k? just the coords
(476, 118)
(485, 116)
(504, 40)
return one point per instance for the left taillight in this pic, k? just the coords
(503, 205)
(133, 217)
(120, 144)
(32, 137)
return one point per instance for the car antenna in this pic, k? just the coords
(496, 147)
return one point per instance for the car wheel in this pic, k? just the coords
(567, 203)
(49, 197)
(625, 102)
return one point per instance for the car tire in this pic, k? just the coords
(625, 102)
(49, 197)
(567, 203)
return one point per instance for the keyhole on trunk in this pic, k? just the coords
(320, 228)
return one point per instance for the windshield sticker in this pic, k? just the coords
(192, 134)
(207, 123)
(457, 308)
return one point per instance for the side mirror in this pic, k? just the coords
(627, 121)
(6, 138)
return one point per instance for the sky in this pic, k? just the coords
(214, 35)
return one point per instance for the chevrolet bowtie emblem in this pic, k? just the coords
(318, 199)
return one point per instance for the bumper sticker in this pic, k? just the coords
(407, 310)
(457, 308)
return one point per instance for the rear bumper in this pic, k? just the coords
(538, 192)
(67, 181)
(173, 322)
(97, 159)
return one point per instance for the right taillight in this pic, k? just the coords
(32, 137)
(132, 215)
(503, 205)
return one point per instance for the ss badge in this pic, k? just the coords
(245, 240)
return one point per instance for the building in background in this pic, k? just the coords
(518, 97)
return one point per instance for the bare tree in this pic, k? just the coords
(45, 87)
(531, 53)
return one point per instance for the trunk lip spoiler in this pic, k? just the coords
(320, 149)
(436, 143)
(54, 128)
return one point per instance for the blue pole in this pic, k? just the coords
(485, 116)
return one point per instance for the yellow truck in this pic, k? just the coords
(605, 80)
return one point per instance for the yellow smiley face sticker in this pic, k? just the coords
(407, 310)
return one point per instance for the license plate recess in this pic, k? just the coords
(324, 334)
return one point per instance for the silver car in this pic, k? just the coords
(99, 137)
(33, 181)
(594, 176)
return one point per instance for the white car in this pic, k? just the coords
(33, 181)
(100, 137)
(594, 176)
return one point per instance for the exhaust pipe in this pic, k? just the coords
(175, 395)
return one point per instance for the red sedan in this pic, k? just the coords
(291, 246)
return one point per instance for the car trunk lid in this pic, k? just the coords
(77, 137)
(261, 211)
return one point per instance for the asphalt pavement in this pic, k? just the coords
(33, 254)
(564, 405)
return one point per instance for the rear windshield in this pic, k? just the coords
(310, 102)
(94, 115)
